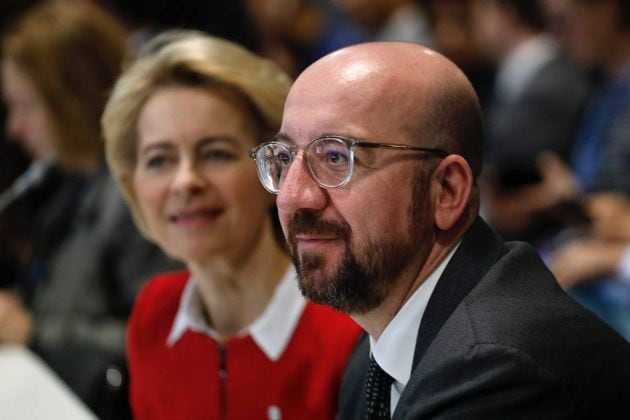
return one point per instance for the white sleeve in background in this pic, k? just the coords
(623, 269)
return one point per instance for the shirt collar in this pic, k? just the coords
(271, 331)
(395, 347)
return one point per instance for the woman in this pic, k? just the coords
(232, 336)
(59, 62)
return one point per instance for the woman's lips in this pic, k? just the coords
(195, 217)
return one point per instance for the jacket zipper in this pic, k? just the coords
(222, 382)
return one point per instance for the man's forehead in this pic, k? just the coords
(368, 73)
(337, 82)
(353, 88)
(360, 111)
(309, 117)
(356, 71)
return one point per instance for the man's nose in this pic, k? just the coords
(299, 190)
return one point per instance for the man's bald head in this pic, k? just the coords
(398, 85)
(362, 244)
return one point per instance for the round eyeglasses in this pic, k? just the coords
(329, 159)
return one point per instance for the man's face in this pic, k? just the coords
(352, 244)
(592, 31)
(28, 120)
(489, 24)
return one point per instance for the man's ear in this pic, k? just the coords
(452, 183)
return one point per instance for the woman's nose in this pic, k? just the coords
(188, 179)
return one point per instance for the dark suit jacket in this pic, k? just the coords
(500, 339)
(544, 117)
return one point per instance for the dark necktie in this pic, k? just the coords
(377, 391)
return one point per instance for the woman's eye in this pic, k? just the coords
(219, 155)
(156, 162)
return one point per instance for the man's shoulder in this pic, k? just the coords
(518, 328)
(520, 301)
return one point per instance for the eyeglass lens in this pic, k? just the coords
(273, 161)
(328, 159)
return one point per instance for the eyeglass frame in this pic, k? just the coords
(350, 144)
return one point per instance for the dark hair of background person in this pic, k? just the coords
(223, 18)
(452, 28)
(528, 11)
(72, 67)
(623, 6)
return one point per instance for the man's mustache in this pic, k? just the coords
(309, 222)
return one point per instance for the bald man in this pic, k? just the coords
(375, 169)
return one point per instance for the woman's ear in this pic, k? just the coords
(453, 182)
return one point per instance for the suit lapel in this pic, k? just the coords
(480, 248)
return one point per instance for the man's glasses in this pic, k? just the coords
(329, 159)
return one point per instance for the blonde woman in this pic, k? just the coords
(231, 337)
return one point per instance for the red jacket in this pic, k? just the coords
(198, 378)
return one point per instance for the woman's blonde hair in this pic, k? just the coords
(188, 59)
(72, 52)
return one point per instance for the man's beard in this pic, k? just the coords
(361, 281)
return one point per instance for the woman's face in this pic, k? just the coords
(194, 182)
(27, 122)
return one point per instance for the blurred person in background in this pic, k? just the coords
(556, 19)
(14, 220)
(596, 266)
(594, 263)
(144, 18)
(390, 20)
(453, 29)
(534, 111)
(231, 337)
(282, 30)
(289, 31)
(88, 261)
(349, 22)
(598, 38)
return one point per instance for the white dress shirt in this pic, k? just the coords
(271, 331)
(395, 347)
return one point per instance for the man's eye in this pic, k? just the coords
(336, 158)
(280, 157)
(283, 158)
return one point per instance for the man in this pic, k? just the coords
(534, 110)
(595, 267)
(375, 169)
(390, 20)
